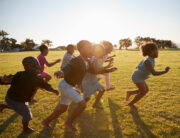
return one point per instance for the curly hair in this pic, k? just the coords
(147, 47)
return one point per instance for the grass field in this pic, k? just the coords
(158, 113)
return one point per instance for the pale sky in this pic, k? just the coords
(68, 21)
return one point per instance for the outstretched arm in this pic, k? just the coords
(155, 73)
(6, 79)
(53, 63)
(47, 86)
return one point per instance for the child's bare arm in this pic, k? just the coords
(111, 56)
(59, 74)
(102, 68)
(53, 63)
(151, 69)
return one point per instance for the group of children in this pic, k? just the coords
(78, 74)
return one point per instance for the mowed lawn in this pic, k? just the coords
(158, 113)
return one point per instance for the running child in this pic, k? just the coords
(23, 86)
(90, 83)
(108, 48)
(42, 60)
(74, 73)
(68, 56)
(144, 69)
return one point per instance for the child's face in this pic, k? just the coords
(71, 51)
(154, 53)
(87, 51)
(109, 50)
(99, 52)
(34, 67)
(45, 52)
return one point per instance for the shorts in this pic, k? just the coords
(68, 94)
(44, 74)
(21, 108)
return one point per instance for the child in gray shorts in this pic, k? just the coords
(144, 69)
(23, 86)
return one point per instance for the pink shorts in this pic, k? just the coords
(44, 74)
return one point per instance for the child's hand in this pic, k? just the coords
(58, 60)
(77, 90)
(59, 74)
(113, 69)
(7, 79)
(109, 65)
(167, 69)
(56, 92)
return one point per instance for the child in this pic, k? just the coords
(68, 56)
(90, 83)
(42, 60)
(144, 69)
(74, 73)
(23, 86)
(108, 48)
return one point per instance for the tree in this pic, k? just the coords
(125, 43)
(4, 42)
(13, 42)
(47, 42)
(28, 44)
(3, 34)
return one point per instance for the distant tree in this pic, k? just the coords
(5, 43)
(47, 42)
(3, 34)
(28, 44)
(138, 41)
(125, 43)
(62, 47)
(115, 46)
(13, 43)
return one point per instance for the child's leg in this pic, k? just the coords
(76, 112)
(98, 98)
(107, 79)
(46, 76)
(129, 93)
(143, 89)
(23, 110)
(86, 99)
(54, 115)
(4, 106)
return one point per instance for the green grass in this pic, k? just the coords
(158, 113)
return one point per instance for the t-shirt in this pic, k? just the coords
(142, 71)
(67, 57)
(100, 61)
(24, 84)
(42, 60)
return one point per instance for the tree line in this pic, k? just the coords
(7, 43)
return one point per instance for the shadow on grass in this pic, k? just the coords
(68, 134)
(113, 108)
(142, 127)
(45, 133)
(7, 122)
(93, 123)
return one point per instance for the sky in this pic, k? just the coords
(69, 21)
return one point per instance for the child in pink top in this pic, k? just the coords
(42, 61)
